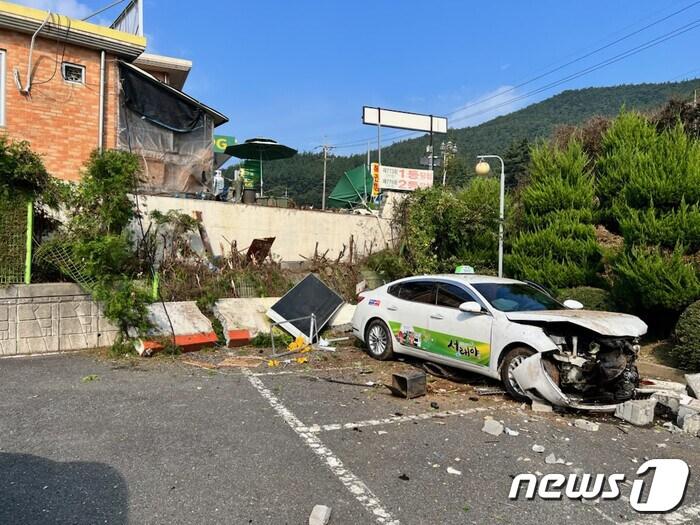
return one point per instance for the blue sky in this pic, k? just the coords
(301, 71)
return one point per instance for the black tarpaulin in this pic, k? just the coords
(311, 295)
(157, 102)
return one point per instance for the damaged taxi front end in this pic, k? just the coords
(594, 364)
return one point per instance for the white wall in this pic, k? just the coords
(296, 231)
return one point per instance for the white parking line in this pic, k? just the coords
(390, 420)
(354, 484)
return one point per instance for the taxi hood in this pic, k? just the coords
(604, 323)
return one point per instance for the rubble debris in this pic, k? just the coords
(673, 400)
(241, 362)
(539, 406)
(320, 515)
(673, 429)
(258, 250)
(434, 405)
(551, 459)
(199, 364)
(511, 432)
(584, 424)
(408, 384)
(311, 296)
(653, 385)
(538, 448)
(493, 427)
(639, 412)
(454, 471)
(693, 386)
(691, 424)
(489, 390)
(404, 477)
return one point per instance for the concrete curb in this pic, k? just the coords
(193, 331)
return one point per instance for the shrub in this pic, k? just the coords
(22, 172)
(591, 298)
(686, 352)
(655, 284)
(389, 264)
(680, 225)
(559, 180)
(440, 229)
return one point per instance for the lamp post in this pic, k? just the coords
(483, 168)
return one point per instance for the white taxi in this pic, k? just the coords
(492, 326)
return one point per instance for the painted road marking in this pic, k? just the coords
(354, 484)
(390, 420)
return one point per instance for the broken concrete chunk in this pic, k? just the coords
(657, 384)
(586, 425)
(674, 400)
(538, 448)
(693, 381)
(493, 427)
(552, 460)
(691, 424)
(454, 471)
(321, 515)
(539, 406)
(639, 412)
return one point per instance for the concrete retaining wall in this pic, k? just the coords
(53, 317)
(296, 231)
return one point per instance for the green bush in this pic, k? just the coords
(440, 229)
(389, 264)
(591, 298)
(686, 337)
(559, 180)
(654, 284)
(680, 225)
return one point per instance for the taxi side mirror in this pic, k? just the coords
(471, 307)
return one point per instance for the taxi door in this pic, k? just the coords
(460, 336)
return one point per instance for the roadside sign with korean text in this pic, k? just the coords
(402, 179)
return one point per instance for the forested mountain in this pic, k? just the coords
(302, 175)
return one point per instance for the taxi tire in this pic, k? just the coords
(518, 352)
(388, 352)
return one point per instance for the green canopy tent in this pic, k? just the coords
(353, 189)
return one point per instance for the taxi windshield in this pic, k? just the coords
(517, 297)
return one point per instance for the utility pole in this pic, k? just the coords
(326, 149)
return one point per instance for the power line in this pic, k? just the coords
(617, 58)
(590, 69)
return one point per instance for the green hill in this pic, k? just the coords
(302, 175)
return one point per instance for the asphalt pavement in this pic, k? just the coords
(84, 441)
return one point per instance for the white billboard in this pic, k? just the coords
(401, 179)
(388, 118)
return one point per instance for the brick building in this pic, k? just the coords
(61, 90)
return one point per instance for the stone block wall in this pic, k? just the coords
(53, 317)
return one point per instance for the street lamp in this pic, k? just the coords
(483, 168)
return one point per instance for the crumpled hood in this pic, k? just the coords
(604, 323)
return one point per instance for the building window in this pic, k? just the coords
(2, 88)
(74, 73)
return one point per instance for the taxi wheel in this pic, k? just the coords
(378, 339)
(510, 362)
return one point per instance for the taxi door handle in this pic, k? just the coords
(392, 308)
(436, 316)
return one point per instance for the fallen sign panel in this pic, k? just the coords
(311, 296)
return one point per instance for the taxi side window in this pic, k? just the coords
(451, 296)
(418, 292)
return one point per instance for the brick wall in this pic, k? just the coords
(59, 119)
(41, 318)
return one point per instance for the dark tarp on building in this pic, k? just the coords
(170, 131)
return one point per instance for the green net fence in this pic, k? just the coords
(13, 240)
(61, 256)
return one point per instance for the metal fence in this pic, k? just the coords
(16, 222)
